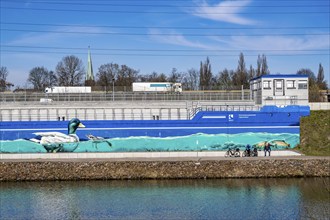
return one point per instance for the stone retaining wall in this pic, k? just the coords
(91, 170)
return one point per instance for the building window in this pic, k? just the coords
(290, 84)
(266, 85)
(278, 85)
(258, 85)
(302, 84)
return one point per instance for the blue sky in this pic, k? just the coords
(150, 35)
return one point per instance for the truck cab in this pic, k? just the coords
(177, 87)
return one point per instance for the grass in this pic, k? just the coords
(315, 134)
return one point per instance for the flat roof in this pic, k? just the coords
(280, 76)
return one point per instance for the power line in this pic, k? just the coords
(181, 1)
(165, 27)
(171, 6)
(160, 12)
(164, 50)
(160, 34)
(162, 55)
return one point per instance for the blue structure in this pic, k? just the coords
(207, 130)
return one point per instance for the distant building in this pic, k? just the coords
(280, 89)
(89, 74)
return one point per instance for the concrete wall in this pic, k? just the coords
(157, 169)
(319, 105)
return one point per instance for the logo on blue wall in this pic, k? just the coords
(231, 117)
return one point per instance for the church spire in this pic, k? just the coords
(89, 75)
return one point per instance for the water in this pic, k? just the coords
(168, 199)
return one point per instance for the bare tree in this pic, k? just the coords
(126, 76)
(224, 79)
(191, 80)
(264, 65)
(252, 73)
(51, 79)
(205, 74)
(322, 84)
(241, 77)
(3, 79)
(40, 78)
(70, 71)
(153, 77)
(313, 89)
(309, 73)
(259, 63)
(175, 76)
(107, 74)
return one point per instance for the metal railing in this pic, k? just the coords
(89, 113)
(284, 100)
(127, 96)
(59, 113)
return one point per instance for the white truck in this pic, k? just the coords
(157, 87)
(68, 89)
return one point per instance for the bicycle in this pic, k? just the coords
(233, 152)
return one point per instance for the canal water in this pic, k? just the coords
(283, 198)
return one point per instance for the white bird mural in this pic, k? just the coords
(59, 142)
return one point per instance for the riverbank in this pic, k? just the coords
(315, 134)
(162, 168)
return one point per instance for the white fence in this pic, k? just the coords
(319, 105)
(90, 113)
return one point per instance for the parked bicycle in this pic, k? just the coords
(233, 152)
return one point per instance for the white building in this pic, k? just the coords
(280, 89)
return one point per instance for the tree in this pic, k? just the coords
(51, 79)
(107, 74)
(241, 77)
(191, 80)
(309, 73)
(224, 79)
(4, 85)
(259, 63)
(40, 78)
(70, 71)
(313, 89)
(251, 73)
(264, 65)
(205, 75)
(126, 76)
(175, 76)
(322, 84)
(153, 77)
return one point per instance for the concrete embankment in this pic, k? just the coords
(163, 168)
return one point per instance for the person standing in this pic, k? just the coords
(267, 149)
(248, 150)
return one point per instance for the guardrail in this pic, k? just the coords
(126, 96)
(57, 113)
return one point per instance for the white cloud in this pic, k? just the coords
(57, 35)
(175, 39)
(271, 45)
(226, 11)
(276, 43)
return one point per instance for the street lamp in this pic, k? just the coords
(113, 89)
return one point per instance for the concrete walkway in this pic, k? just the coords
(138, 155)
